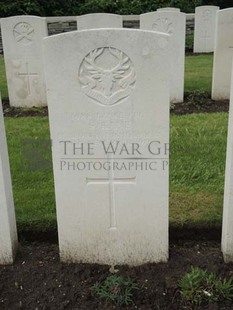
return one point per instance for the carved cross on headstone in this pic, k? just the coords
(28, 75)
(111, 181)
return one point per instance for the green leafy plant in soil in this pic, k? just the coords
(115, 289)
(198, 98)
(200, 287)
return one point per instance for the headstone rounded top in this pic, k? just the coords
(24, 17)
(108, 31)
(226, 10)
(163, 12)
(169, 9)
(99, 20)
(206, 6)
(98, 15)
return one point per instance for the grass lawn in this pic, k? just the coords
(3, 84)
(198, 73)
(33, 190)
(198, 145)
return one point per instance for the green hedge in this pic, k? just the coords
(78, 7)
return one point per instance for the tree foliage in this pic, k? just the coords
(79, 7)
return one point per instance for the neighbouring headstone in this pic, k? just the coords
(168, 9)
(227, 226)
(8, 231)
(223, 55)
(109, 119)
(172, 23)
(205, 28)
(22, 43)
(99, 20)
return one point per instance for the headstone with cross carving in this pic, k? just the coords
(99, 20)
(8, 233)
(227, 225)
(205, 28)
(109, 119)
(172, 23)
(223, 55)
(22, 43)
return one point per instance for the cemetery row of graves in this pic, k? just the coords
(101, 159)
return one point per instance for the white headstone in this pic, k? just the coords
(8, 232)
(227, 227)
(205, 28)
(112, 90)
(99, 20)
(22, 44)
(172, 23)
(168, 9)
(223, 55)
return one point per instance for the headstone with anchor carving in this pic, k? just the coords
(22, 43)
(109, 120)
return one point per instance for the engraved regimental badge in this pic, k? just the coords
(23, 33)
(206, 15)
(163, 25)
(107, 76)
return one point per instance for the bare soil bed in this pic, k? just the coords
(37, 280)
(201, 105)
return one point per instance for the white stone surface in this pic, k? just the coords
(172, 23)
(8, 232)
(99, 20)
(227, 227)
(112, 88)
(22, 44)
(223, 53)
(168, 9)
(205, 28)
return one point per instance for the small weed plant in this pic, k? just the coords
(198, 98)
(115, 289)
(200, 287)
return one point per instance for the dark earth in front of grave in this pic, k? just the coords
(37, 280)
(189, 106)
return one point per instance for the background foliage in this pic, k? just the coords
(78, 7)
